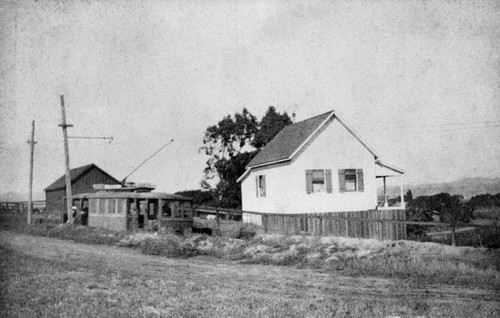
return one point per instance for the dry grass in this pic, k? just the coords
(466, 266)
(107, 285)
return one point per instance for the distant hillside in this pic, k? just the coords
(467, 187)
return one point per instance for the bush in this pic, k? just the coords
(80, 234)
(168, 246)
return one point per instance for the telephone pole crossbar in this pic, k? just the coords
(85, 137)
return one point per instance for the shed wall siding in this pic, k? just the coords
(334, 148)
(54, 199)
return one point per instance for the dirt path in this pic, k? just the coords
(288, 281)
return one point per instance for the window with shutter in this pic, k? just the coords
(318, 181)
(359, 175)
(260, 185)
(328, 177)
(309, 187)
(351, 180)
(257, 186)
(341, 180)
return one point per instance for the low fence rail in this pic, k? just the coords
(20, 206)
(218, 213)
(374, 224)
(380, 224)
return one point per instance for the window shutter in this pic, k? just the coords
(359, 178)
(341, 180)
(263, 186)
(257, 186)
(309, 183)
(328, 180)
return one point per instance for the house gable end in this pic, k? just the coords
(294, 139)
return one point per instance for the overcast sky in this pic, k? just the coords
(418, 80)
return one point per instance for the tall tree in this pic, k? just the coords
(227, 139)
(226, 145)
(230, 145)
(271, 124)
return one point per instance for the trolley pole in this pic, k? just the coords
(32, 143)
(64, 125)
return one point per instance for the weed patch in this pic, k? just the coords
(353, 257)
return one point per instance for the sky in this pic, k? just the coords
(419, 81)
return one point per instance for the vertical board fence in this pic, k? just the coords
(372, 224)
(380, 224)
(20, 206)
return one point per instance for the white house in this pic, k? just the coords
(316, 165)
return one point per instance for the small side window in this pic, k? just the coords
(260, 184)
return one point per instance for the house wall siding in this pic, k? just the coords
(333, 148)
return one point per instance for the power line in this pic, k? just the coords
(85, 137)
(430, 128)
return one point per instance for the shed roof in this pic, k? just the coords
(131, 195)
(75, 174)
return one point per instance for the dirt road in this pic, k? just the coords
(131, 260)
(287, 282)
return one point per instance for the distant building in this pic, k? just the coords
(316, 165)
(82, 181)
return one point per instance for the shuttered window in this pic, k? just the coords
(359, 177)
(351, 180)
(318, 181)
(260, 185)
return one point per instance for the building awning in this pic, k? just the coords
(383, 169)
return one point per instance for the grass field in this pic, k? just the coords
(43, 277)
(272, 276)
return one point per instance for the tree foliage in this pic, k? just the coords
(271, 124)
(485, 200)
(230, 145)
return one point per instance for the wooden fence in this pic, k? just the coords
(218, 213)
(20, 206)
(359, 224)
(379, 224)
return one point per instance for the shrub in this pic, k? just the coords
(169, 245)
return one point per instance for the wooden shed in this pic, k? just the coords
(82, 181)
(132, 208)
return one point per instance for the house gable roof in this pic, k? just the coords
(288, 140)
(75, 174)
(294, 137)
(291, 139)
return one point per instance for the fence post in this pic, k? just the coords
(264, 219)
(453, 238)
(218, 219)
(320, 225)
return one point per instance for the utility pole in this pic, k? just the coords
(69, 201)
(32, 143)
